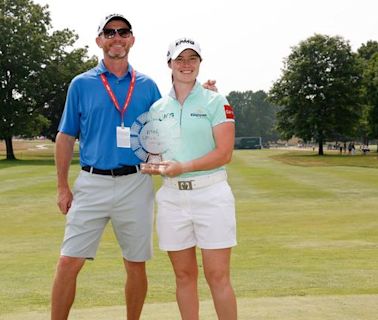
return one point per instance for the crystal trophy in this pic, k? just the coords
(154, 140)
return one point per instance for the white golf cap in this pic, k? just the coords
(113, 16)
(181, 44)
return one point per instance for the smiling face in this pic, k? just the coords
(185, 67)
(117, 47)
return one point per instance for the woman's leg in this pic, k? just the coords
(216, 263)
(184, 264)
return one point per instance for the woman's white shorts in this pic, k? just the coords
(202, 215)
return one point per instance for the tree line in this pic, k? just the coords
(326, 91)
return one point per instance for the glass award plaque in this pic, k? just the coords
(154, 140)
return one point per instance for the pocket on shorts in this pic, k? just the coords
(223, 193)
(76, 185)
(83, 184)
(162, 195)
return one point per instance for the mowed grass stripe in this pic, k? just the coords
(364, 307)
(301, 227)
(270, 176)
(303, 230)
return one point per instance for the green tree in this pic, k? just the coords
(371, 86)
(254, 114)
(63, 65)
(368, 57)
(23, 28)
(368, 50)
(28, 53)
(319, 90)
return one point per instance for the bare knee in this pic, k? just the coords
(69, 266)
(186, 276)
(135, 269)
(217, 278)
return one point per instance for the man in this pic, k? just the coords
(102, 105)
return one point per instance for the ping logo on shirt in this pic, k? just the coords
(169, 115)
(229, 112)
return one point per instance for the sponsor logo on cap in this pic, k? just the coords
(184, 41)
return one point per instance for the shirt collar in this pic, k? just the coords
(102, 69)
(172, 92)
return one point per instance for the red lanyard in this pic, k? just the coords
(114, 99)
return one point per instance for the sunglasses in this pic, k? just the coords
(111, 33)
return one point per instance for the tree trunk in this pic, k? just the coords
(9, 147)
(321, 151)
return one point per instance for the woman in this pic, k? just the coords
(195, 203)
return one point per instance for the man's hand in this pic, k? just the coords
(64, 199)
(64, 146)
(210, 85)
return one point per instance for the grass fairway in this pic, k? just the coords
(307, 233)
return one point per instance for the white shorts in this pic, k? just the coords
(127, 201)
(203, 216)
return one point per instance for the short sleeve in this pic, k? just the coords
(221, 111)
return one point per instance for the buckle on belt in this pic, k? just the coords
(185, 185)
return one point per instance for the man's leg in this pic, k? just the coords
(64, 286)
(135, 288)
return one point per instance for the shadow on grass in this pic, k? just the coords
(309, 159)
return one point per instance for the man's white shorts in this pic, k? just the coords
(203, 216)
(127, 201)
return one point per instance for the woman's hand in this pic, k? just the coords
(172, 169)
(152, 168)
(167, 168)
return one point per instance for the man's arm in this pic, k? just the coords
(210, 85)
(64, 145)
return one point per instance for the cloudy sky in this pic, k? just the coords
(243, 42)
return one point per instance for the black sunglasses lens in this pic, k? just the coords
(124, 32)
(109, 33)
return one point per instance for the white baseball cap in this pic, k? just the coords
(113, 16)
(181, 44)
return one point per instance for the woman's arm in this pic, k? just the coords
(224, 135)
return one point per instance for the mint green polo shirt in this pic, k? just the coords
(188, 127)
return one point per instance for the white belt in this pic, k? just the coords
(196, 182)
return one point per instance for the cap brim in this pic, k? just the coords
(179, 51)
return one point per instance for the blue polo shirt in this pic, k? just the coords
(91, 115)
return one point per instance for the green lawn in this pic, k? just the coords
(307, 233)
